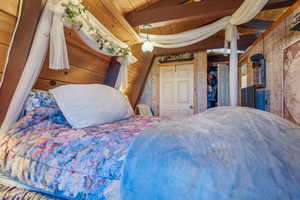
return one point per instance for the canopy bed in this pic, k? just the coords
(83, 142)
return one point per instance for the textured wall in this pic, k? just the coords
(8, 18)
(201, 80)
(272, 47)
(150, 95)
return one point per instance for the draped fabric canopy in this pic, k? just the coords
(50, 32)
(247, 11)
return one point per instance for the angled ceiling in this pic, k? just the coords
(174, 16)
(115, 15)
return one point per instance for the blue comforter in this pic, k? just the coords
(223, 154)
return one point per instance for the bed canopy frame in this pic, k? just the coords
(40, 28)
(43, 29)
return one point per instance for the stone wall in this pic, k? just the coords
(272, 47)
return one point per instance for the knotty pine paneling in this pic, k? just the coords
(10, 7)
(73, 75)
(8, 18)
(86, 66)
(3, 54)
(44, 84)
(83, 59)
(7, 25)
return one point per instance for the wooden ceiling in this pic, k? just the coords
(179, 25)
(174, 16)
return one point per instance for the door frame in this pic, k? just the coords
(193, 63)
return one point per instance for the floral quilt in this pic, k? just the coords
(44, 152)
(14, 193)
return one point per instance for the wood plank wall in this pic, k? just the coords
(87, 66)
(8, 18)
(137, 73)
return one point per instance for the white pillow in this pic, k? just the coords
(92, 104)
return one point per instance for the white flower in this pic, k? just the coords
(76, 2)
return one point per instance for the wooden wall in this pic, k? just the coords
(201, 65)
(8, 18)
(271, 45)
(87, 66)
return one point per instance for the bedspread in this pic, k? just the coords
(225, 153)
(44, 152)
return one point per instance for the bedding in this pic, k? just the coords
(43, 151)
(86, 105)
(14, 193)
(38, 98)
(225, 153)
(10, 192)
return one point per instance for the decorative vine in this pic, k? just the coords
(74, 11)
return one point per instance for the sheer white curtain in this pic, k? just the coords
(32, 69)
(50, 31)
(247, 11)
(188, 37)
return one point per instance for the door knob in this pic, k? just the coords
(191, 107)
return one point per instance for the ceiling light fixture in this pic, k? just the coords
(147, 46)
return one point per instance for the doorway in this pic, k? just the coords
(176, 90)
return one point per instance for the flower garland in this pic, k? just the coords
(74, 12)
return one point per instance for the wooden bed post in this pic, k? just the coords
(112, 72)
(29, 19)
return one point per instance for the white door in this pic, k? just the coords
(176, 91)
(223, 85)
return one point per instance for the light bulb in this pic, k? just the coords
(147, 46)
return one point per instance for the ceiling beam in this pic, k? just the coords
(212, 43)
(258, 24)
(274, 4)
(199, 10)
(107, 13)
(218, 58)
(177, 13)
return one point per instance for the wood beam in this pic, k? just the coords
(274, 4)
(106, 12)
(212, 43)
(198, 10)
(258, 24)
(136, 92)
(29, 19)
(112, 73)
(218, 58)
(159, 14)
(281, 19)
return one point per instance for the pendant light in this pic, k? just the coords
(147, 46)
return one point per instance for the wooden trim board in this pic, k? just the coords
(29, 19)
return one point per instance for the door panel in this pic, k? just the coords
(176, 91)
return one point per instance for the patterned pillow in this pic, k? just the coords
(38, 98)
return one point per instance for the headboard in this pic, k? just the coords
(87, 66)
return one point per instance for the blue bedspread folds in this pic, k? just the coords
(222, 154)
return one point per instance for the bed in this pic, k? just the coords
(42, 153)
(224, 153)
